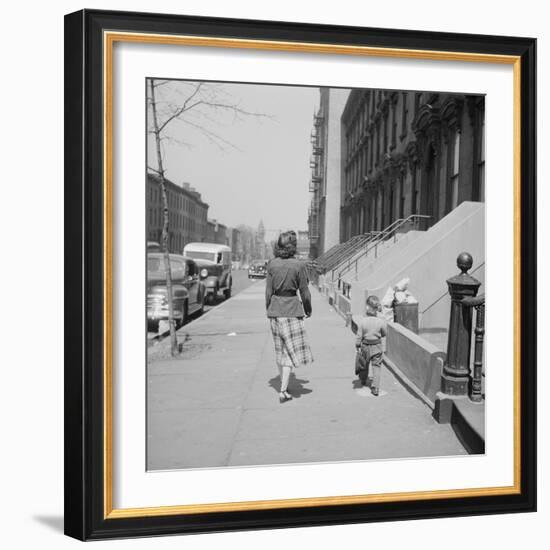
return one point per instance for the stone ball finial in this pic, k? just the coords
(464, 261)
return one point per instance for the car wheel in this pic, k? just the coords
(227, 291)
(184, 315)
(153, 326)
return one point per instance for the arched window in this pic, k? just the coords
(480, 154)
(454, 164)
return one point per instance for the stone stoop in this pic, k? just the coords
(466, 418)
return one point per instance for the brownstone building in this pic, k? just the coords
(216, 233)
(187, 214)
(409, 153)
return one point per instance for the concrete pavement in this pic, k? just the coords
(217, 404)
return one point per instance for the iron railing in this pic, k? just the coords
(411, 222)
(348, 249)
(476, 374)
(331, 258)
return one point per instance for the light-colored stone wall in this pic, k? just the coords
(333, 167)
(417, 359)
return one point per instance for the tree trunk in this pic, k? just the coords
(164, 238)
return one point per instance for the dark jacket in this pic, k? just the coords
(285, 278)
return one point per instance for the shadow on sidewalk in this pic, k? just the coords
(295, 385)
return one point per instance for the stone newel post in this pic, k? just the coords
(455, 377)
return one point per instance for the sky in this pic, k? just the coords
(261, 171)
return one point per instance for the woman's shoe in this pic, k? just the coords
(284, 397)
(375, 392)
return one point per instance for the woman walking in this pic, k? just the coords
(286, 276)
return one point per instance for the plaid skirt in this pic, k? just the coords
(291, 346)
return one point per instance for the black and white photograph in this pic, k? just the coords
(315, 274)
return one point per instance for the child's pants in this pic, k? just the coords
(372, 355)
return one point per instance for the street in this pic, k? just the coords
(240, 282)
(217, 404)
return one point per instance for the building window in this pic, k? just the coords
(401, 198)
(391, 205)
(376, 210)
(394, 124)
(414, 194)
(417, 97)
(404, 115)
(385, 149)
(377, 142)
(371, 147)
(455, 157)
(481, 155)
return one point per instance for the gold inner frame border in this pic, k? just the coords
(109, 40)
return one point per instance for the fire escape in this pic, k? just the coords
(315, 183)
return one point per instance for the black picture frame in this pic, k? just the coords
(85, 516)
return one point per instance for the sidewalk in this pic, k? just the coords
(217, 404)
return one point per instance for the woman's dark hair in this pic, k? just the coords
(285, 247)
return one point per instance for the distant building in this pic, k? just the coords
(187, 213)
(261, 248)
(216, 233)
(236, 245)
(303, 244)
(326, 171)
(409, 153)
(250, 247)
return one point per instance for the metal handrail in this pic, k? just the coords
(340, 253)
(325, 259)
(382, 236)
(473, 301)
(339, 250)
(476, 385)
(358, 249)
(321, 259)
(350, 250)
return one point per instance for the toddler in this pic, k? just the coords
(370, 331)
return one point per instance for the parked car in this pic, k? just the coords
(257, 270)
(188, 291)
(214, 261)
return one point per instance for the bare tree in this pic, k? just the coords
(200, 106)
